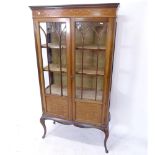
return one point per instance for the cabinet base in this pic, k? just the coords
(103, 128)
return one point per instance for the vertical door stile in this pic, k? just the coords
(69, 67)
(73, 66)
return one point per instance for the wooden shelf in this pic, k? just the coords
(52, 45)
(91, 47)
(86, 47)
(87, 93)
(56, 68)
(55, 89)
(90, 72)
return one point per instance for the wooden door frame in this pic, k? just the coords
(106, 69)
(40, 60)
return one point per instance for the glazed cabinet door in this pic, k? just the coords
(53, 54)
(89, 54)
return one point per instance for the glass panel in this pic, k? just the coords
(90, 40)
(53, 45)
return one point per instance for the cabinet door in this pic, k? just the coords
(54, 47)
(89, 48)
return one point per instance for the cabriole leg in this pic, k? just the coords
(42, 121)
(106, 132)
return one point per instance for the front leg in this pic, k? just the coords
(106, 132)
(42, 121)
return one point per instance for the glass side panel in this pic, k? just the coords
(90, 41)
(53, 45)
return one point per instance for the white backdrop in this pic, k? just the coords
(19, 89)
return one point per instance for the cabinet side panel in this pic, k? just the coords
(57, 106)
(108, 69)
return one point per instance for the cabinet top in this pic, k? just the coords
(101, 5)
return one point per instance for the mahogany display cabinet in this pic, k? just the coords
(75, 49)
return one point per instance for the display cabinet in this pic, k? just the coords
(74, 48)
